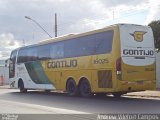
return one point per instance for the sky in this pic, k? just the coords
(74, 16)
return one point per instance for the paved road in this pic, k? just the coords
(11, 101)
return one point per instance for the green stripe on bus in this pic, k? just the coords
(36, 73)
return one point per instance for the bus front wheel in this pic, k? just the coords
(72, 88)
(21, 87)
(85, 88)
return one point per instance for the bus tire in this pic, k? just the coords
(21, 87)
(71, 88)
(117, 94)
(85, 88)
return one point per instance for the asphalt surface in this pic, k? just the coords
(40, 102)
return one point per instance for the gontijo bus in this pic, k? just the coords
(116, 59)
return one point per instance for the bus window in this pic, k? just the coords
(57, 50)
(22, 56)
(99, 43)
(43, 52)
(32, 54)
(12, 64)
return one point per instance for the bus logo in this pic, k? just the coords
(138, 35)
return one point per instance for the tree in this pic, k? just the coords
(155, 25)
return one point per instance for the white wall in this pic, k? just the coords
(158, 69)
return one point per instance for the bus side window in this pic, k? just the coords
(12, 62)
(57, 51)
(43, 52)
(13, 57)
(22, 56)
(32, 54)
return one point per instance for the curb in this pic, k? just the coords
(5, 87)
(154, 94)
(143, 96)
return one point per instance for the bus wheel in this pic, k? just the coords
(21, 87)
(85, 88)
(72, 88)
(117, 95)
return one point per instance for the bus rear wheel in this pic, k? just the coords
(72, 88)
(21, 87)
(85, 88)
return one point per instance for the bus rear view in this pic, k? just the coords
(136, 66)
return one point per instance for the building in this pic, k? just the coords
(4, 72)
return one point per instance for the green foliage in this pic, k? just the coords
(155, 25)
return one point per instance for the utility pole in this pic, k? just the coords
(55, 25)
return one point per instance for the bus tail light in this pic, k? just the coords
(118, 68)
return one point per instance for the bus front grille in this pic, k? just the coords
(105, 79)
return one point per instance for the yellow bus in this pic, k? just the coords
(116, 59)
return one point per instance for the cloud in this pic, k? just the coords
(8, 40)
(7, 43)
(115, 3)
(154, 11)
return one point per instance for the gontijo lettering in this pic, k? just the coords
(138, 52)
(62, 64)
